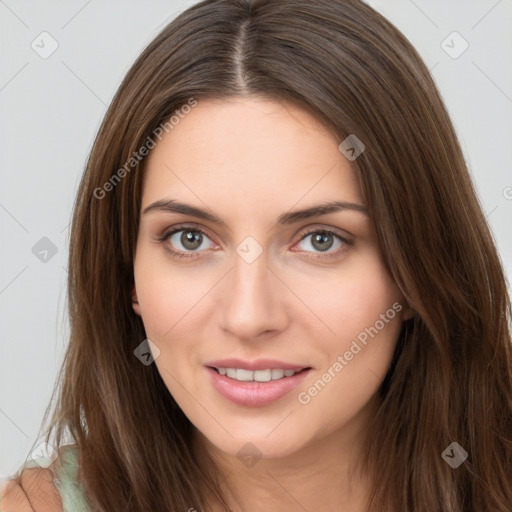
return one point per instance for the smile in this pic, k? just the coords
(255, 388)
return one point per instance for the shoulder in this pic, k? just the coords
(44, 486)
(31, 491)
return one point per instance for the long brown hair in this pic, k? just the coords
(451, 376)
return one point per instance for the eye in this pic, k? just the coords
(323, 240)
(187, 240)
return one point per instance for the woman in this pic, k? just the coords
(283, 292)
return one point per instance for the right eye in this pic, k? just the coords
(190, 238)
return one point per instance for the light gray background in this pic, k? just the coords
(50, 110)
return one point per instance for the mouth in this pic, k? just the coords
(255, 388)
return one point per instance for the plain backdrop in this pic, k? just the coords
(51, 107)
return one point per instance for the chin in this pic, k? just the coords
(257, 445)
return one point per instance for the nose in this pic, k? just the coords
(253, 300)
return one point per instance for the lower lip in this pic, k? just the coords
(255, 394)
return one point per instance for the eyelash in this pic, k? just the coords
(179, 254)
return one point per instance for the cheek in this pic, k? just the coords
(363, 310)
(353, 300)
(167, 294)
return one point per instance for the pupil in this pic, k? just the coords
(324, 239)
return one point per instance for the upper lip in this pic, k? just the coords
(257, 364)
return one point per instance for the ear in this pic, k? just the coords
(135, 301)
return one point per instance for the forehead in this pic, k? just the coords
(249, 153)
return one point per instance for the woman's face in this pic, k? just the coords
(252, 283)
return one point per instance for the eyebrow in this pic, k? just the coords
(173, 206)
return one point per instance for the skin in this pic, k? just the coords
(249, 160)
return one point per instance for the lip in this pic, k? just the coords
(258, 364)
(255, 394)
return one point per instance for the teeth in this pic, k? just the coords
(258, 375)
(277, 374)
(243, 375)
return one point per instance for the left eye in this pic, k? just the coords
(323, 240)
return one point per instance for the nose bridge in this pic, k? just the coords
(251, 305)
(249, 277)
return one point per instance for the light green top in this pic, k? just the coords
(73, 497)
